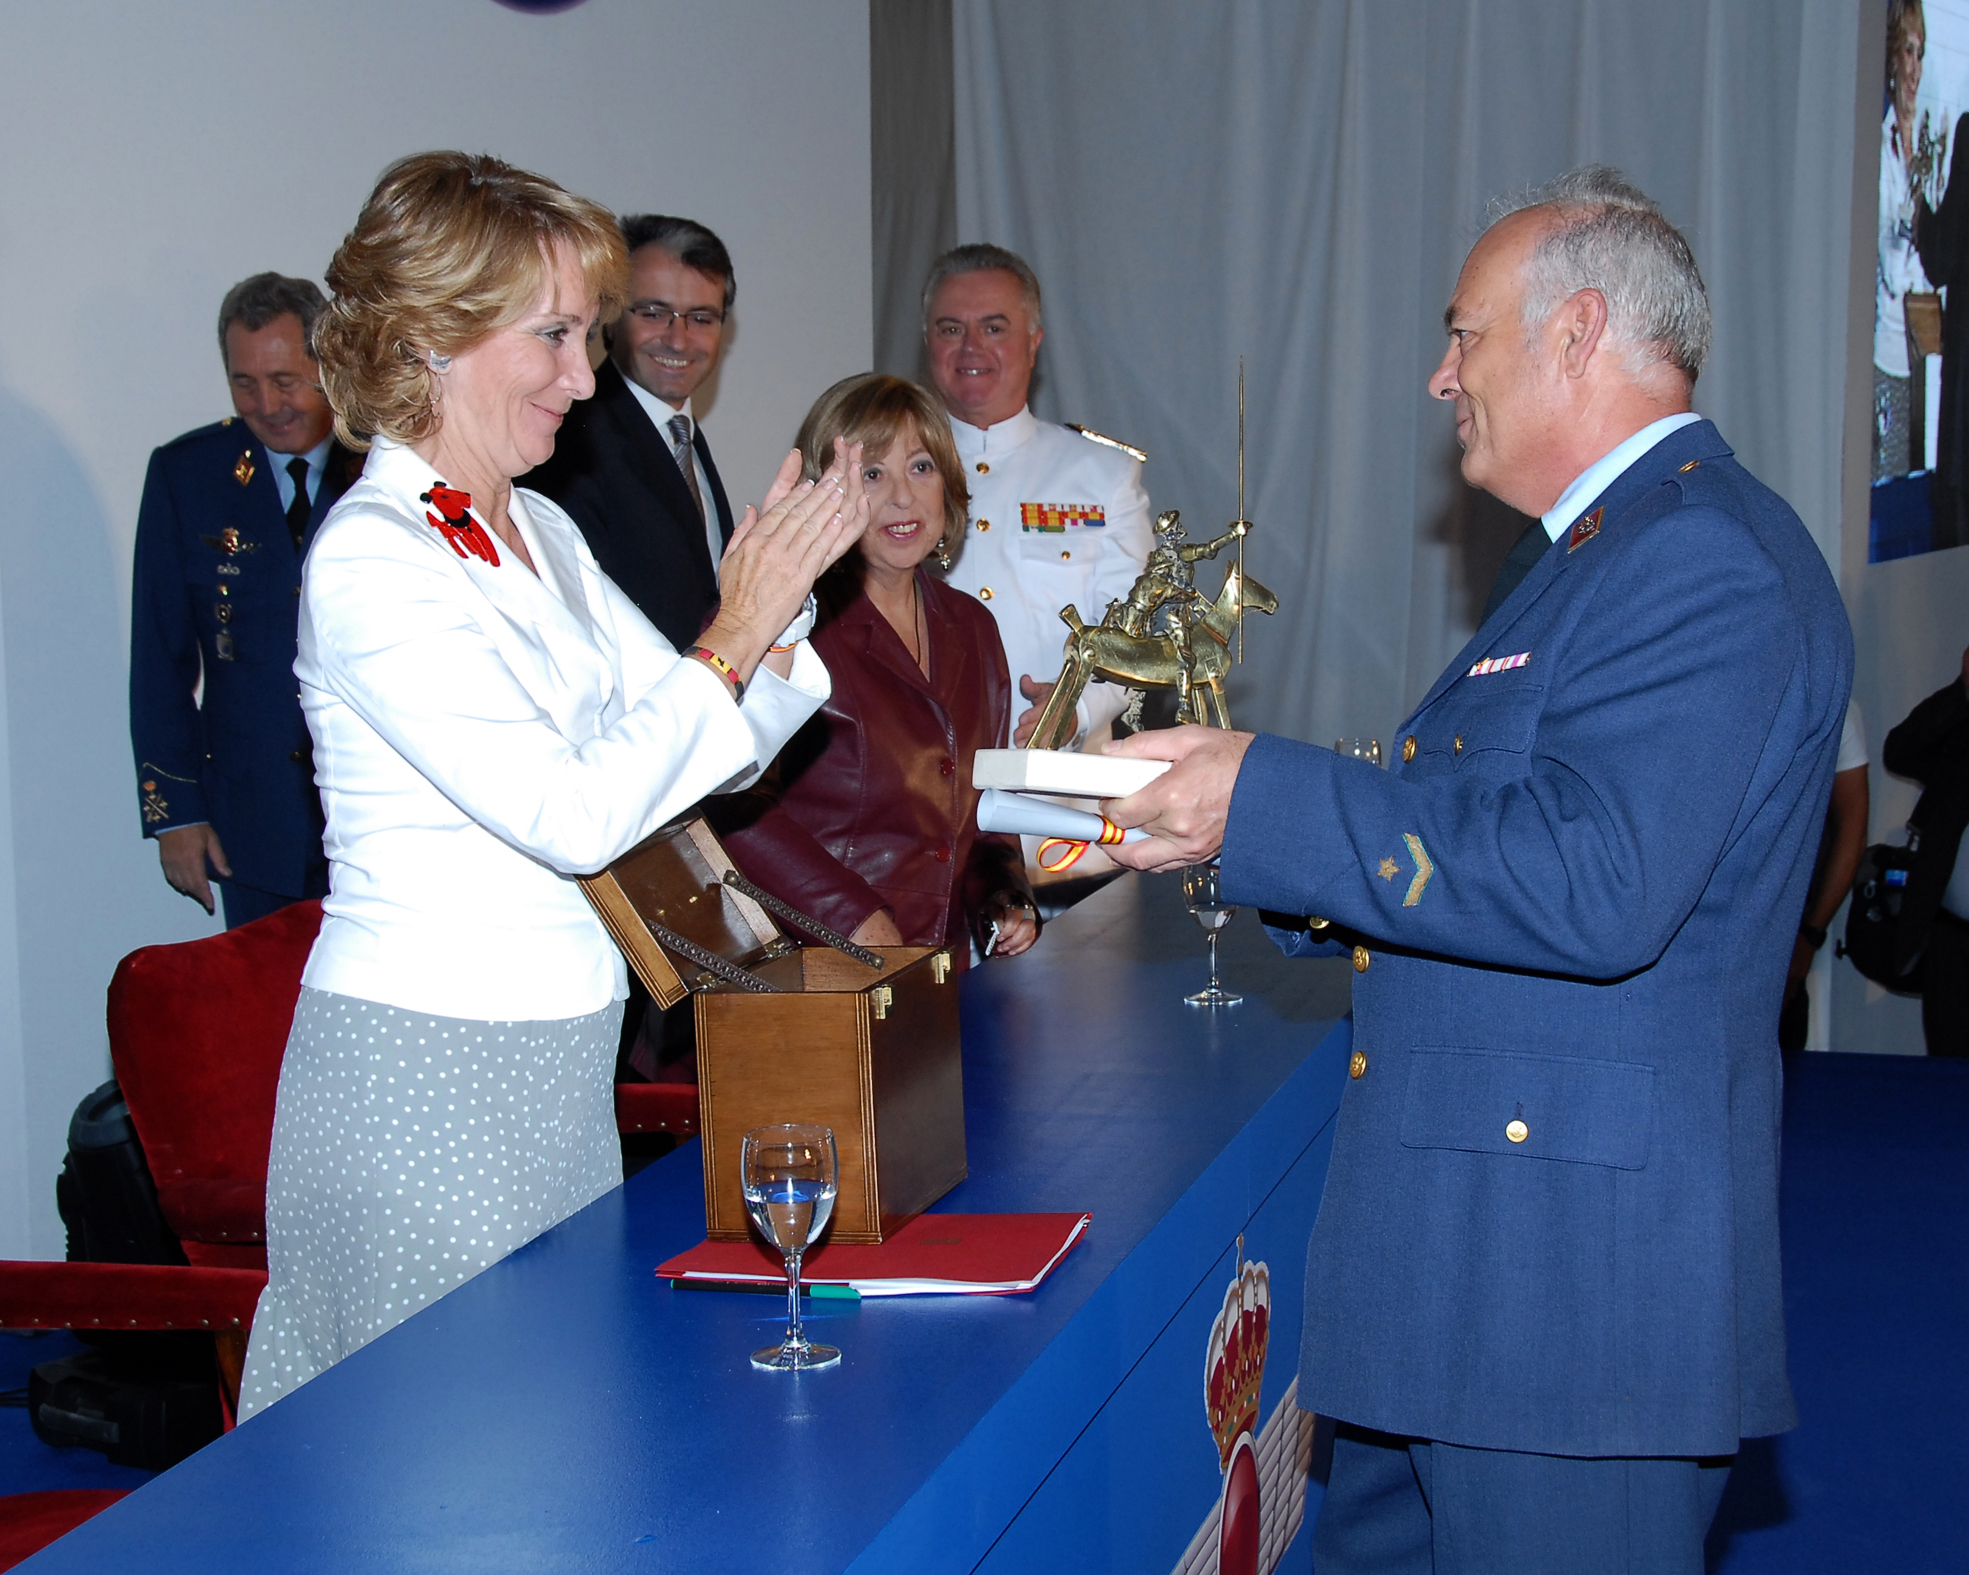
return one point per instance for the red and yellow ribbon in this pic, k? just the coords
(1058, 853)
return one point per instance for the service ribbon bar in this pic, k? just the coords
(1498, 664)
(1059, 516)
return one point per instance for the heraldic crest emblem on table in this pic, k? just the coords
(1262, 1502)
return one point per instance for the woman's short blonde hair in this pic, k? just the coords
(449, 248)
(871, 408)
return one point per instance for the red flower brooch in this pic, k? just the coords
(453, 519)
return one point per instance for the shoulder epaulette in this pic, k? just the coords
(1105, 441)
(208, 433)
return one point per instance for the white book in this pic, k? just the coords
(1064, 771)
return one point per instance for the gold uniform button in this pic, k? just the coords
(984, 524)
(1360, 959)
(983, 468)
(984, 593)
(1408, 749)
(1517, 1131)
(295, 756)
(1357, 1064)
(1459, 743)
(1066, 557)
(1690, 466)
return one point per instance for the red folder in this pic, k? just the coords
(933, 1255)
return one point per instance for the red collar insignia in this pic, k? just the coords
(1585, 529)
(454, 522)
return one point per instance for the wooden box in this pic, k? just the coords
(796, 1033)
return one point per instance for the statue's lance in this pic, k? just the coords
(1240, 492)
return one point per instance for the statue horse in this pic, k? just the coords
(1152, 661)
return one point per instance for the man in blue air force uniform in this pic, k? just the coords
(1543, 1297)
(225, 780)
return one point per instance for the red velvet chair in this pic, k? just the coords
(196, 1034)
(657, 1107)
(30, 1521)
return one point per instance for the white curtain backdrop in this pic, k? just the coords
(1298, 183)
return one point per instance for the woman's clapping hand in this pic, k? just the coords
(779, 550)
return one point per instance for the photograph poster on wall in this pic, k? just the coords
(1920, 493)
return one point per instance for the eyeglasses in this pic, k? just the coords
(658, 314)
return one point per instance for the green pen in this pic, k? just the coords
(822, 1293)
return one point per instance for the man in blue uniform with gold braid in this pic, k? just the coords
(1543, 1296)
(225, 779)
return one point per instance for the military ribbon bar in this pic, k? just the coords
(1498, 664)
(1059, 516)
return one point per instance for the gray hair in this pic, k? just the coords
(1611, 236)
(255, 302)
(983, 257)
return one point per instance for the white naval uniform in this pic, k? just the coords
(1056, 518)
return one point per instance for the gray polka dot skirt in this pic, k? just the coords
(409, 1152)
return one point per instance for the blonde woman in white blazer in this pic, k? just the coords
(491, 718)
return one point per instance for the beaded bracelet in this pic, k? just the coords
(723, 669)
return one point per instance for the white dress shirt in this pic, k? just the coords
(1604, 471)
(483, 735)
(661, 414)
(1056, 519)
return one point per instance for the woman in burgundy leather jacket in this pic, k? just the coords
(868, 820)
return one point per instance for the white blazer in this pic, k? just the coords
(481, 737)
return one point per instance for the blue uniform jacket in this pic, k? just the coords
(216, 591)
(1551, 1221)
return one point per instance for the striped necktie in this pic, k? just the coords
(680, 430)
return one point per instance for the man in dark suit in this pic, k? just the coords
(631, 465)
(225, 782)
(1543, 1297)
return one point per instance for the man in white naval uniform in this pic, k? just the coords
(1056, 518)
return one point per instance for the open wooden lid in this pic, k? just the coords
(676, 879)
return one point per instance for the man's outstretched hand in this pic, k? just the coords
(1183, 810)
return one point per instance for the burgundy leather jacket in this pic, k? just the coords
(871, 805)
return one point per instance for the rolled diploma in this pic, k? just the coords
(1000, 810)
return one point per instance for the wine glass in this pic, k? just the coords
(1206, 903)
(790, 1173)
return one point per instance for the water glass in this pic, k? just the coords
(791, 1172)
(1204, 897)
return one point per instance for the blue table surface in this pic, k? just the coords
(566, 1410)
